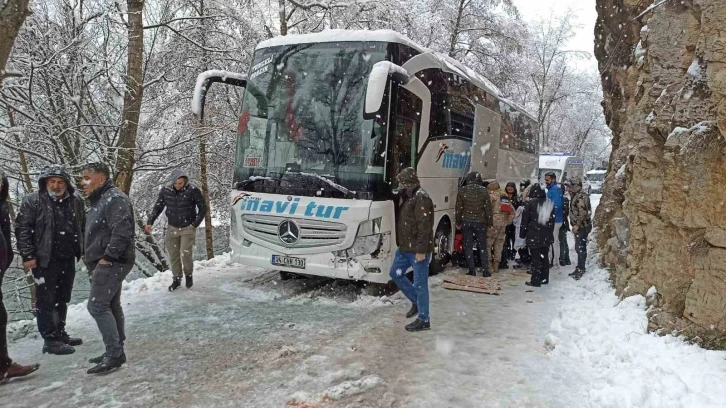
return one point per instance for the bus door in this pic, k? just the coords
(485, 146)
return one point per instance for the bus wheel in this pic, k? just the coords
(442, 256)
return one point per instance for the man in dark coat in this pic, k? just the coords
(110, 256)
(564, 246)
(185, 211)
(474, 218)
(509, 253)
(8, 369)
(415, 238)
(581, 219)
(524, 257)
(538, 223)
(49, 232)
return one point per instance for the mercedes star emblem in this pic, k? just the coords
(289, 232)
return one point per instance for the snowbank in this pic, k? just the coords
(631, 367)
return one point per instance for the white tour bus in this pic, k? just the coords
(596, 180)
(564, 165)
(327, 122)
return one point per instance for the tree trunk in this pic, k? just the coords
(12, 17)
(209, 238)
(205, 192)
(132, 97)
(283, 17)
(455, 29)
(29, 188)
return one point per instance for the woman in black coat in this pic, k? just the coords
(538, 225)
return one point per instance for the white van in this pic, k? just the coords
(596, 180)
(565, 166)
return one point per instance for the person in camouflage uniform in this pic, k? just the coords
(474, 218)
(502, 214)
(581, 220)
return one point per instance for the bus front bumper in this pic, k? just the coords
(322, 264)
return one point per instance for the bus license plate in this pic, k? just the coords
(290, 262)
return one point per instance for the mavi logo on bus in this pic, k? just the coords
(453, 160)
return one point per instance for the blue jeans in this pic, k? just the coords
(418, 292)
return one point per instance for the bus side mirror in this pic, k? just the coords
(377, 80)
(205, 80)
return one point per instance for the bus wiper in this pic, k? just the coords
(327, 181)
(241, 185)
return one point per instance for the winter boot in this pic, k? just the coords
(563, 262)
(578, 274)
(108, 363)
(175, 284)
(575, 272)
(485, 273)
(567, 262)
(503, 264)
(58, 348)
(99, 359)
(412, 312)
(189, 282)
(16, 370)
(533, 284)
(71, 341)
(418, 325)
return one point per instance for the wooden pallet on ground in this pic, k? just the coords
(489, 286)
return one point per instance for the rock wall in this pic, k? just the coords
(662, 218)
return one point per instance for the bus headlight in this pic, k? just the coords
(368, 240)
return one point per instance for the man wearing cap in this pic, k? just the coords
(415, 239)
(49, 232)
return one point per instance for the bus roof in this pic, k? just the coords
(558, 161)
(448, 64)
(341, 36)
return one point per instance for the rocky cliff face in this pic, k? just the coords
(662, 218)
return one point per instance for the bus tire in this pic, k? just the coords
(442, 256)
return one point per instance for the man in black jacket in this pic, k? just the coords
(185, 211)
(110, 256)
(415, 238)
(474, 217)
(8, 369)
(538, 224)
(49, 232)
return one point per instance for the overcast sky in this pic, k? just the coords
(537, 9)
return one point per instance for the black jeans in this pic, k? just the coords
(478, 231)
(564, 247)
(509, 251)
(53, 287)
(104, 304)
(581, 246)
(540, 264)
(4, 357)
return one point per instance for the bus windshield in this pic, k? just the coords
(596, 176)
(302, 129)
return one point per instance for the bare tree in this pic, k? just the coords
(553, 75)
